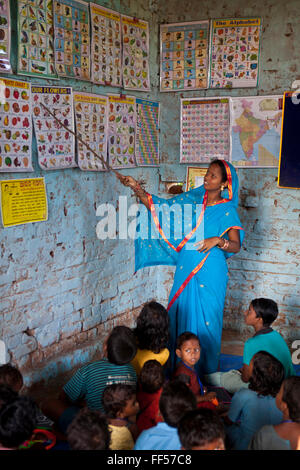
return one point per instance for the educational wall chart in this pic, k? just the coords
(56, 146)
(15, 126)
(35, 38)
(234, 52)
(72, 38)
(147, 133)
(106, 53)
(91, 125)
(204, 129)
(121, 131)
(184, 56)
(135, 38)
(256, 130)
(5, 31)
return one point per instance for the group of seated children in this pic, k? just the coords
(130, 399)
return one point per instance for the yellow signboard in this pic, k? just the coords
(23, 201)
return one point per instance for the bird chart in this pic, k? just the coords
(72, 39)
(121, 131)
(205, 124)
(36, 38)
(147, 133)
(5, 30)
(56, 145)
(91, 125)
(15, 126)
(184, 56)
(106, 53)
(135, 38)
(235, 49)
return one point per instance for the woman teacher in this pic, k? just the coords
(197, 297)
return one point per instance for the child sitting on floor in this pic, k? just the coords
(286, 435)
(201, 429)
(121, 407)
(89, 431)
(150, 387)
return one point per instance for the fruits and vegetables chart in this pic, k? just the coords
(15, 126)
(56, 145)
(5, 30)
(35, 38)
(106, 52)
(204, 133)
(135, 38)
(121, 131)
(72, 39)
(91, 125)
(184, 56)
(235, 49)
(147, 133)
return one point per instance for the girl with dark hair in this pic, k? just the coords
(255, 407)
(212, 233)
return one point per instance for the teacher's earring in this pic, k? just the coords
(222, 187)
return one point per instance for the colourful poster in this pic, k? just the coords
(106, 54)
(72, 38)
(135, 36)
(56, 145)
(204, 129)
(15, 126)
(121, 131)
(184, 56)
(23, 201)
(5, 31)
(147, 133)
(35, 38)
(91, 125)
(235, 49)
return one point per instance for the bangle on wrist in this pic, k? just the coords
(225, 244)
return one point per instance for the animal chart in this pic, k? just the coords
(56, 146)
(235, 48)
(204, 129)
(5, 30)
(72, 39)
(147, 133)
(121, 131)
(15, 126)
(35, 38)
(184, 56)
(106, 66)
(135, 34)
(91, 125)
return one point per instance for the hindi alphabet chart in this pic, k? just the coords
(91, 125)
(72, 39)
(184, 56)
(56, 146)
(15, 126)
(5, 30)
(147, 133)
(204, 129)
(235, 49)
(121, 131)
(106, 63)
(135, 38)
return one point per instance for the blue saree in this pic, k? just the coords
(197, 297)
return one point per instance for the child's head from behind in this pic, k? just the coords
(201, 429)
(188, 348)
(152, 327)
(121, 345)
(89, 431)
(264, 309)
(288, 398)
(119, 401)
(7, 395)
(267, 374)
(11, 376)
(151, 376)
(17, 422)
(175, 401)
